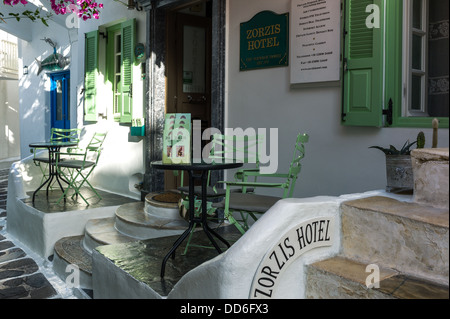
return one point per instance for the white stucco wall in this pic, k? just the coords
(9, 119)
(337, 160)
(121, 165)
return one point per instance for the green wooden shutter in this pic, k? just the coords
(363, 66)
(90, 77)
(128, 41)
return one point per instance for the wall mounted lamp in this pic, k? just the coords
(132, 4)
(25, 70)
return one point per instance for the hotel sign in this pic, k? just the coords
(264, 41)
(308, 235)
(315, 41)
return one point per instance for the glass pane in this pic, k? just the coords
(416, 93)
(417, 52)
(118, 43)
(59, 101)
(118, 64)
(417, 14)
(194, 58)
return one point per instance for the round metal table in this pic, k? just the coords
(196, 170)
(53, 150)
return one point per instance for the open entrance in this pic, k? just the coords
(189, 66)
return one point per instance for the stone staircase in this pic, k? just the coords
(132, 222)
(399, 249)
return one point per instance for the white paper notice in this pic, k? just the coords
(315, 41)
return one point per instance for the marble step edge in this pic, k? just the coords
(389, 206)
(102, 231)
(131, 220)
(340, 277)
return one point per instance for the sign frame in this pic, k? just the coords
(264, 41)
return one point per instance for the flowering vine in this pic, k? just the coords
(85, 9)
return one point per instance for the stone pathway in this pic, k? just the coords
(20, 275)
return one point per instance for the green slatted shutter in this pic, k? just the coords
(90, 77)
(128, 43)
(363, 66)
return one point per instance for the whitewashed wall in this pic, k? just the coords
(34, 90)
(121, 164)
(337, 160)
(9, 119)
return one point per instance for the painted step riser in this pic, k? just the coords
(142, 232)
(406, 245)
(67, 274)
(325, 285)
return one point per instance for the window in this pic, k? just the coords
(117, 70)
(396, 75)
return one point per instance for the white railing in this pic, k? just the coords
(9, 61)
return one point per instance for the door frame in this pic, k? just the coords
(65, 77)
(157, 84)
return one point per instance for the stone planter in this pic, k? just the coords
(431, 176)
(399, 173)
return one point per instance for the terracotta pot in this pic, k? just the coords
(399, 173)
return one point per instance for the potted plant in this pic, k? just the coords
(399, 172)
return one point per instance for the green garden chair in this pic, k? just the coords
(252, 204)
(77, 165)
(57, 135)
(224, 148)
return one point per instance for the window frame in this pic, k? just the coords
(400, 119)
(123, 110)
(391, 72)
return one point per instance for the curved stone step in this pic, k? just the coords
(162, 205)
(69, 251)
(133, 221)
(99, 232)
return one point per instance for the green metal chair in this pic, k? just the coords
(77, 165)
(251, 204)
(224, 148)
(57, 135)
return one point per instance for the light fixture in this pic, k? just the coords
(132, 4)
(25, 70)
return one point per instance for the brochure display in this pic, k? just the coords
(177, 139)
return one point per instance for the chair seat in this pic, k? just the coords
(198, 191)
(249, 202)
(45, 160)
(77, 164)
(210, 191)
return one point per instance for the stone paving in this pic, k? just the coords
(20, 275)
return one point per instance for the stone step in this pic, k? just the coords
(133, 221)
(69, 257)
(408, 237)
(341, 278)
(99, 232)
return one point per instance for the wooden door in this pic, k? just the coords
(189, 71)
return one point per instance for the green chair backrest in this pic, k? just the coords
(296, 166)
(234, 147)
(60, 135)
(95, 145)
